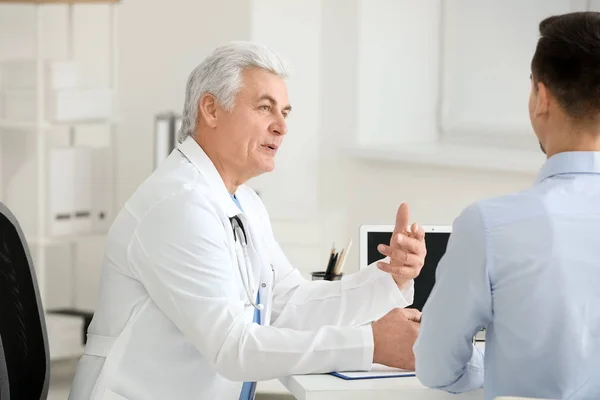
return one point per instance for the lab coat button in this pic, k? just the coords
(264, 285)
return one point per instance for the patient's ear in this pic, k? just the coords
(541, 105)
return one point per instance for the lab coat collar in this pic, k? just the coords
(196, 155)
(570, 162)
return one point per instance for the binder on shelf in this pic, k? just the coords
(61, 180)
(102, 189)
(166, 129)
(82, 190)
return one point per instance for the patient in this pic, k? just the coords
(526, 266)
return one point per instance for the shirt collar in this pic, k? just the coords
(196, 155)
(570, 162)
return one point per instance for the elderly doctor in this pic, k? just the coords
(197, 300)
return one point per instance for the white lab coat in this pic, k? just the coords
(171, 320)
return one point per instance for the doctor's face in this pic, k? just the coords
(253, 131)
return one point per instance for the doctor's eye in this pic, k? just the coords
(264, 107)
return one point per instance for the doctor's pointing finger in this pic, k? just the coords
(405, 255)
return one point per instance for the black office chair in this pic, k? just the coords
(24, 353)
(4, 389)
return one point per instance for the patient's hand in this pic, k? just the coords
(394, 336)
(406, 250)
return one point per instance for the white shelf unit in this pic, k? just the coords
(63, 330)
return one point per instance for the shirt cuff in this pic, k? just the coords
(408, 293)
(400, 297)
(369, 347)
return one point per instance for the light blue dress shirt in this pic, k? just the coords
(249, 388)
(525, 266)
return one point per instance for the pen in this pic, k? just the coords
(340, 264)
(331, 261)
(331, 271)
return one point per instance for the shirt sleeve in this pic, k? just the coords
(458, 307)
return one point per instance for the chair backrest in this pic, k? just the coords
(22, 322)
(4, 386)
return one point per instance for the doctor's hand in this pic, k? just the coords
(406, 250)
(394, 336)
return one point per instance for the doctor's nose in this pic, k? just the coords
(279, 126)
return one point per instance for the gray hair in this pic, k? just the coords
(221, 75)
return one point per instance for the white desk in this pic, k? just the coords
(328, 387)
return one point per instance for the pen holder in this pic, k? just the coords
(322, 275)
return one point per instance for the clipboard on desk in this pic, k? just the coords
(377, 371)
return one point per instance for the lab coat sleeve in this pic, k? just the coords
(458, 307)
(356, 299)
(180, 254)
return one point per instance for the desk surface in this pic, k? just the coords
(328, 387)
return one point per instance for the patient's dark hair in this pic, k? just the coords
(567, 61)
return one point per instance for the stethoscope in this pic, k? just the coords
(239, 235)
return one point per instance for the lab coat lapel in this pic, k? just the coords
(196, 155)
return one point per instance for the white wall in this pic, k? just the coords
(398, 69)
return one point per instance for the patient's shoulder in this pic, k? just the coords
(510, 208)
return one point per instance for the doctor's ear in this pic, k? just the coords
(207, 108)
